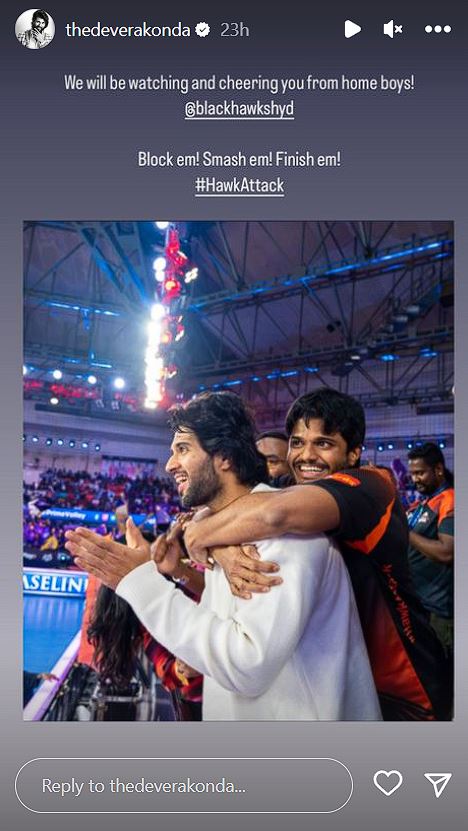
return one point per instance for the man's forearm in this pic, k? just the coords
(438, 551)
(250, 518)
(299, 510)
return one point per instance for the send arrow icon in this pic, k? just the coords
(439, 782)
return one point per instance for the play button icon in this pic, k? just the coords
(351, 29)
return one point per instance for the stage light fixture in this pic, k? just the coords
(442, 445)
(54, 401)
(380, 448)
(24, 437)
(35, 439)
(97, 447)
(172, 288)
(25, 369)
(57, 374)
(84, 445)
(119, 383)
(157, 311)
(388, 357)
(48, 442)
(162, 226)
(159, 264)
(409, 445)
(413, 309)
(71, 443)
(390, 446)
(191, 275)
(60, 442)
(92, 380)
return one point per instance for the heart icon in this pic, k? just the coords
(388, 781)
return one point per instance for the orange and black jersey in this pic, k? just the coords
(433, 581)
(406, 657)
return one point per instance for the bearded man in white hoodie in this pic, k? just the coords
(294, 653)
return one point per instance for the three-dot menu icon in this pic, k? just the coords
(437, 29)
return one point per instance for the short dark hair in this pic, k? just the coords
(340, 413)
(40, 13)
(224, 427)
(273, 434)
(431, 453)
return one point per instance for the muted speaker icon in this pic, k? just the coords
(391, 28)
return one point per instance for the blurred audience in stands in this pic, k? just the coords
(101, 492)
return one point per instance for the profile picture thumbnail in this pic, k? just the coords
(35, 29)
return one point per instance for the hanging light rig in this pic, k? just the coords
(173, 273)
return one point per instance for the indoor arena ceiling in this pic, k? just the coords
(278, 307)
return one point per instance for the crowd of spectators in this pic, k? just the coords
(98, 492)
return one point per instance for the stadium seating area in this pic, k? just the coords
(90, 492)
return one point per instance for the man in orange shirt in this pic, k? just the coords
(431, 549)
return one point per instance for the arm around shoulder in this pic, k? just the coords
(302, 509)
